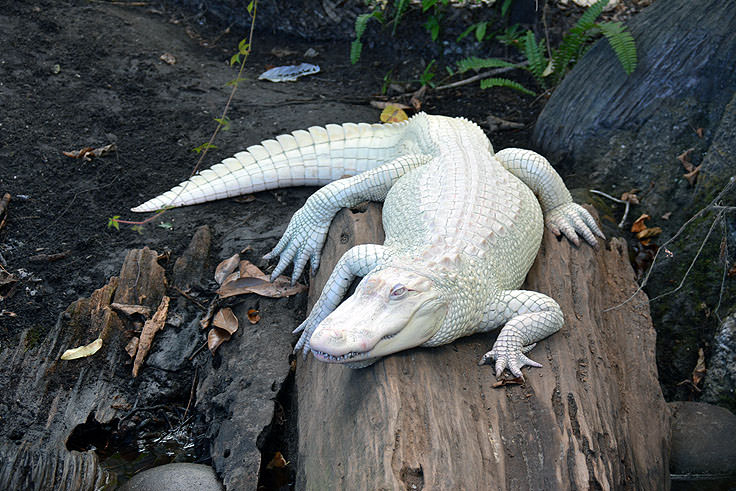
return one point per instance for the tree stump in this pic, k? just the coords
(592, 417)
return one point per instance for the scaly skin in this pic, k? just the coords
(462, 224)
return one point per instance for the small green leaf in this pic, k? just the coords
(204, 146)
(224, 123)
(235, 81)
(433, 26)
(480, 31)
(113, 222)
(235, 59)
(249, 8)
(137, 228)
(355, 49)
(166, 225)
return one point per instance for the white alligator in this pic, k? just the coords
(463, 226)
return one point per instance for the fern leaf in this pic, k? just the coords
(622, 43)
(487, 83)
(356, 47)
(400, 8)
(535, 54)
(475, 63)
(361, 22)
(573, 42)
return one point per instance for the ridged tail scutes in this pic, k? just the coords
(316, 156)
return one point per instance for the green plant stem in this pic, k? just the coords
(219, 123)
(481, 76)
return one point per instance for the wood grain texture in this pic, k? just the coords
(592, 417)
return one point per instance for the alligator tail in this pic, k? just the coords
(303, 158)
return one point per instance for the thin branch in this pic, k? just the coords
(481, 76)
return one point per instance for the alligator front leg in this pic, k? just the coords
(307, 230)
(561, 215)
(358, 261)
(529, 317)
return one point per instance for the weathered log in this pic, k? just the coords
(45, 398)
(592, 417)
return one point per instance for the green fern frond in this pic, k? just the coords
(475, 63)
(400, 8)
(487, 83)
(622, 43)
(361, 22)
(356, 47)
(534, 53)
(573, 42)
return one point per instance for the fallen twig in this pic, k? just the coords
(49, 258)
(627, 203)
(4, 209)
(190, 298)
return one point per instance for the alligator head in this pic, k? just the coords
(392, 310)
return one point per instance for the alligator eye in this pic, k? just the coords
(398, 291)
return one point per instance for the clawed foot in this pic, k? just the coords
(509, 357)
(302, 242)
(572, 219)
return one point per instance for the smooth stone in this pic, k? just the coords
(175, 477)
(702, 440)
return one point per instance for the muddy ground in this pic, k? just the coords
(82, 74)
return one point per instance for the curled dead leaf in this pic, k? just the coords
(648, 233)
(150, 328)
(700, 370)
(684, 159)
(82, 351)
(630, 197)
(277, 462)
(639, 225)
(225, 319)
(280, 287)
(253, 316)
(88, 153)
(168, 58)
(667, 215)
(216, 337)
(225, 268)
(692, 176)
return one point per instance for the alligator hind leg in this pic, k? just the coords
(561, 215)
(358, 261)
(529, 317)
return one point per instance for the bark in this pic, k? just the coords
(592, 417)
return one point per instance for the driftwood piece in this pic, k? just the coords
(592, 417)
(45, 398)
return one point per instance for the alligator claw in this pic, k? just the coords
(514, 360)
(571, 219)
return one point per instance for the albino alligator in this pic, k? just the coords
(462, 224)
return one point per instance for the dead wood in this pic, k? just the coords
(51, 397)
(593, 416)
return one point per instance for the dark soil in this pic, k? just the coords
(79, 74)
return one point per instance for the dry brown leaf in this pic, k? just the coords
(639, 225)
(88, 153)
(150, 328)
(281, 287)
(249, 270)
(225, 319)
(277, 462)
(216, 337)
(83, 351)
(648, 233)
(699, 371)
(132, 347)
(684, 159)
(732, 270)
(416, 98)
(692, 176)
(631, 197)
(508, 381)
(225, 268)
(393, 114)
(667, 215)
(699, 132)
(253, 316)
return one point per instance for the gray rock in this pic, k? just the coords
(175, 477)
(702, 440)
(720, 381)
(616, 133)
